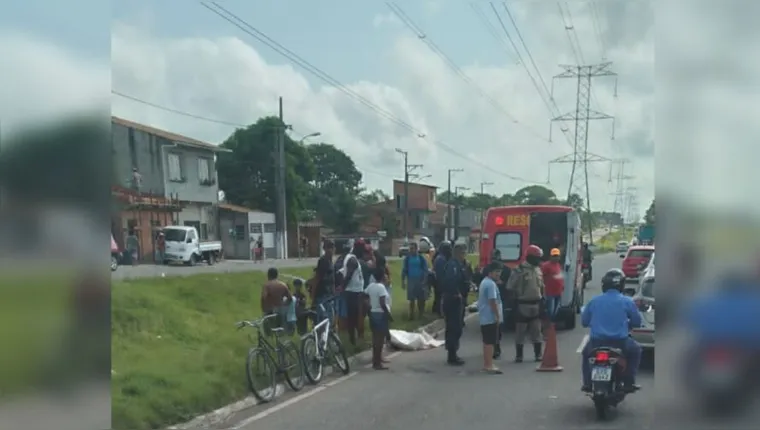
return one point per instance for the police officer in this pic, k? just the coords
(528, 287)
(454, 276)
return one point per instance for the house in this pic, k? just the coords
(241, 227)
(160, 164)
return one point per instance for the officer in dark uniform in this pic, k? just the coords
(454, 277)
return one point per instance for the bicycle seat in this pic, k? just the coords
(277, 330)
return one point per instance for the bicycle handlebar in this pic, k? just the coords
(255, 323)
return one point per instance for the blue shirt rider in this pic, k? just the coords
(610, 316)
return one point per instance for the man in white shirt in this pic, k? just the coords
(353, 291)
(379, 316)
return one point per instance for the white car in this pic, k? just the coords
(647, 271)
(621, 247)
(644, 299)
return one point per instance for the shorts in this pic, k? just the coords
(416, 291)
(378, 322)
(339, 305)
(490, 333)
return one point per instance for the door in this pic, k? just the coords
(572, 256)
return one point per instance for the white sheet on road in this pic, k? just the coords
(408, 341)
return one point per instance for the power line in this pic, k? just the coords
(176, 111)
(492, 30)
(277, 47)
(598, 30)
(421, 35)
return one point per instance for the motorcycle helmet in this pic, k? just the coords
(533, 255)
(613, 278)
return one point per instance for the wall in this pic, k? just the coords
(201, 213)
(191, 189)
(235, 247)
(421, 197)
(263, 224)
(135, 148)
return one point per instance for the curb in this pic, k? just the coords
(211, 419)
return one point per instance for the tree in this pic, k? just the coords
(649, 216)
(372, 197)
(335, 188)
(535, 195)
(575, 201)
(247, 173)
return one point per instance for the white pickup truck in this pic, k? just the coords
(183, 245)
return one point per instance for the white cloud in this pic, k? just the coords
(226, 78)
(41, 81)
(385, 19)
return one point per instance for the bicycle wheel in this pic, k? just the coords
(337, 353)
(260, 371)
(292, 366)
(311, 362)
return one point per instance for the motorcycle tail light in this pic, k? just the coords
(718, 356)
(602, 357)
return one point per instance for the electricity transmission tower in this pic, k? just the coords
(631, 206)
(620, 180)
(580, 158)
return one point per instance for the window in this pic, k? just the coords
(641, 253)
(399, 202)
(239, 232)
(432, 196)
(175, 167)
(255, 228)
(647, 290)
(509, 245)
(204, 231)
(204, 170)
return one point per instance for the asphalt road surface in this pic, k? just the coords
(421, 392)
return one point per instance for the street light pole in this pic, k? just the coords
(458, 212)
(448, 204)
(315, 134)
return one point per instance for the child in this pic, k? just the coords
(300, 307)
(379, 316)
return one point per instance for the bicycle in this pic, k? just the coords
(322, 345)
(282, 358)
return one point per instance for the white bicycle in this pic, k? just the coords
(322, 346)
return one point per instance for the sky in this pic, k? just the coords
(453, 93)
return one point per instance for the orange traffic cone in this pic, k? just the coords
(550, 361)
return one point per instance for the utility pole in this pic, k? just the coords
(281, 216)
(581, 157)
(457, 213)
(483, 186)
(408, 168)
(448, 204)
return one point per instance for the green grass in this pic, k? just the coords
(175, 351)
(608, 242)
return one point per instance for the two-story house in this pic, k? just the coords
(151, 162)
(389, 215)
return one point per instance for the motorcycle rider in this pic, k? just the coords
(610, 316)
(528, 287)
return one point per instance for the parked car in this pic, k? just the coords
(621, 247)
(183, 245)
(422, 243)
(115, 255)
(644, 299)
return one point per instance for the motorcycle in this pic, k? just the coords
(722, 377)
(607, 390)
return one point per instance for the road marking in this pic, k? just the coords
(294, 400)
(584, 341)
(387, 357)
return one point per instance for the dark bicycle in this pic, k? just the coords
(282, 358)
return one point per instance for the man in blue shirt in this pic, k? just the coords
(490, 314)
(414, 280)
(610, 316)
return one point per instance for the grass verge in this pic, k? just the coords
(175, 351)
(608, 242)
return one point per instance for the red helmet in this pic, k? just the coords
(534, 251)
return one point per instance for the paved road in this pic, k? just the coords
(422, 393)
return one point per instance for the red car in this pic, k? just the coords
(635, 256)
